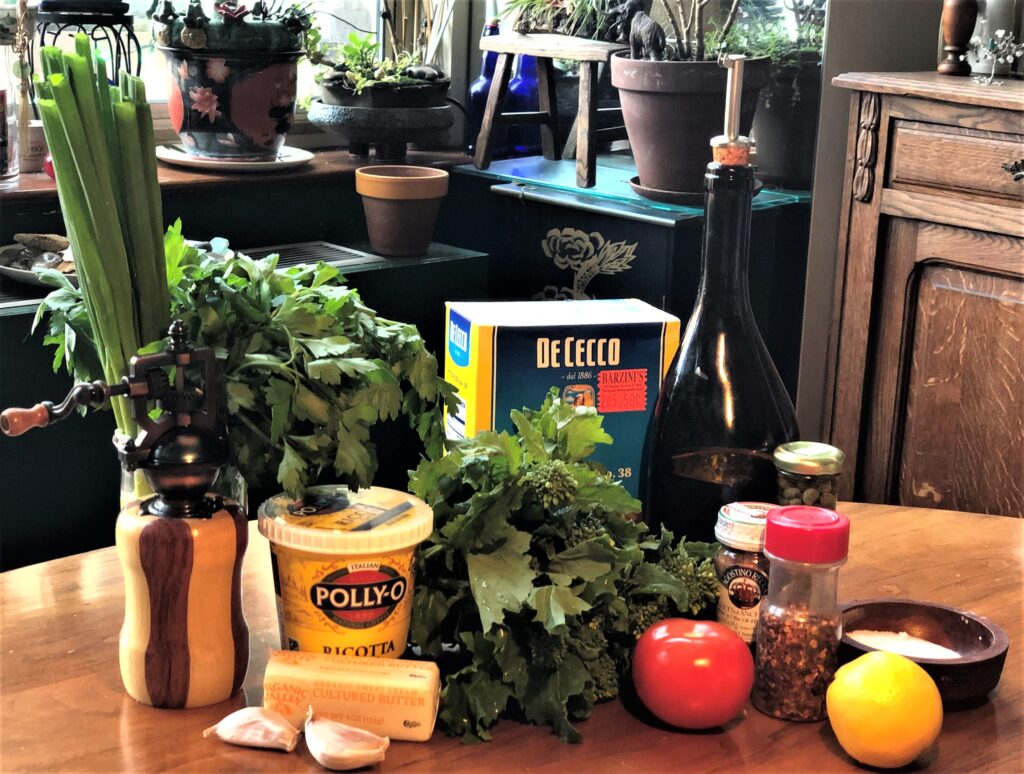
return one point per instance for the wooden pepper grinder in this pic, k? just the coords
(958, 17)
(185, 642)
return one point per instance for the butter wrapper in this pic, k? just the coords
(391, 697)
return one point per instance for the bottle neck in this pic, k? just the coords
(526, 67)
(490, 58)
(728, 193)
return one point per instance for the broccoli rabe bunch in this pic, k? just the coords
(538, 579)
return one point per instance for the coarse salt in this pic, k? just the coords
(902, 643)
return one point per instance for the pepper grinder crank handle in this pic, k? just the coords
(183, 405)
(15, 421)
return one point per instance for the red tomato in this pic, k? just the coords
(692, 674)
(48, 167)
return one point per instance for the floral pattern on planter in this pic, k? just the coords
(587, 255)
(231, 105)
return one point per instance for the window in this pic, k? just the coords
(336, 18)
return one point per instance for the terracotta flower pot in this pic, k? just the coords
(673, 109)
(401, 205)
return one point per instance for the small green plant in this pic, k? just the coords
(356, 65)
(578, 18)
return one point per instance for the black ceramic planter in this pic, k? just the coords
(786, 124)
(232, 84)
(673, 109)
(385, 116)
(383, 96)
(231, 105)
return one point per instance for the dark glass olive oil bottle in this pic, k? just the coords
(723, 407)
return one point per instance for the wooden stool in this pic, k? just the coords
(546, 48)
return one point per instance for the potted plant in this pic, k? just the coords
(386, 101)
(401, 204)
(673, 92)
(233, 76)
(595, 19)
(786, 121)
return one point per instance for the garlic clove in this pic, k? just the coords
(256, 727)
(339, 747)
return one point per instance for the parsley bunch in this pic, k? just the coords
(538, 577)
(308, 368)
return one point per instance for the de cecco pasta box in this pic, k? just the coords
(609, 354)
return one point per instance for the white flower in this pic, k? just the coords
(217, 70)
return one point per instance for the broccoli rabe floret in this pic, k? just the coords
(700, 579)
(586, 526)
(546, 651)
(643, 615)
(605, 674)
(551, 482)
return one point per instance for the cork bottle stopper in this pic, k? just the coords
(731, 148)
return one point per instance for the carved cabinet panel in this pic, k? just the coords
(925, 390)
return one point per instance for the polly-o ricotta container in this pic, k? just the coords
(343, 566)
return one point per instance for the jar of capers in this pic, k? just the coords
(808, 473)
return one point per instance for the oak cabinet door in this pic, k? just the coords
(946, 413)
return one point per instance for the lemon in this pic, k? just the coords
(885, 709)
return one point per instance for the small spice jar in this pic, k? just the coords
(808, 473)
(800, 624)
(741, 566)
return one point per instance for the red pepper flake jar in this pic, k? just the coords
(800, 624)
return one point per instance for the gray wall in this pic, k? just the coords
(860, 36)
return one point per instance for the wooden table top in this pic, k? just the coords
(325, 162)
(62, 707)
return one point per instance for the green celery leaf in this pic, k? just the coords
(279, 396)
(307, 405)
(290, 471)
(329, 346)
(241, 395)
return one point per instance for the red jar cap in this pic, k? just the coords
(801, 533)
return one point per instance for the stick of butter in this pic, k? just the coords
(390, 697)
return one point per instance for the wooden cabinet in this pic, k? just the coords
(925, 388)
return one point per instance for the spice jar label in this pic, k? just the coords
(739, 599)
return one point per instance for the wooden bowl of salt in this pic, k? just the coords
(964, 653)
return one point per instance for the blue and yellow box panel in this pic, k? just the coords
(610, 354)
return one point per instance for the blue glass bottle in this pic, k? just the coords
(524, 96)
(478, 91)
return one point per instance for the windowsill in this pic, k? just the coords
(326, 163)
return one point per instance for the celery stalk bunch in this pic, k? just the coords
(101, 141)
